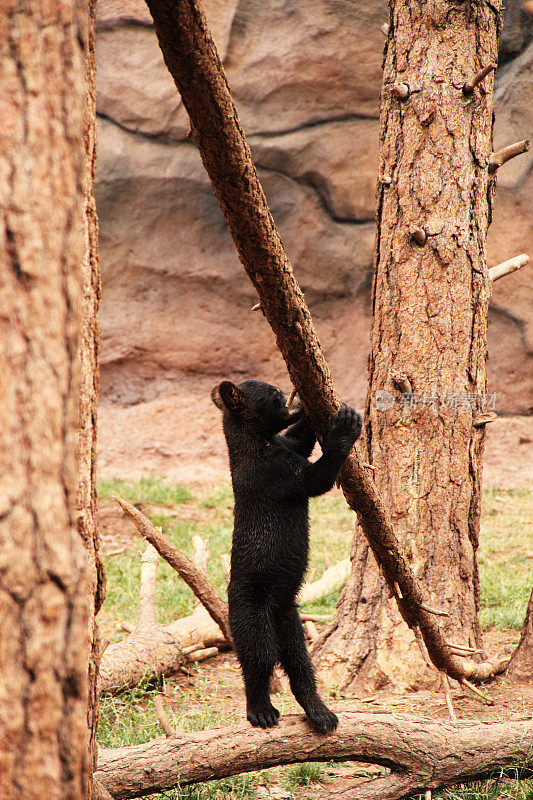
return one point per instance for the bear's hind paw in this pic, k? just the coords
(263, 717)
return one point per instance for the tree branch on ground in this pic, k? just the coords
(159, 649)
(422, 753)
(332, 578)
(195, 578)
(192, 59)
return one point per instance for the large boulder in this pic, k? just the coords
(306, 76)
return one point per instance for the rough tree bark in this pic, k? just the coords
(43, 583)
(193, 62)
(88, 392)
(427, 368)
(422, 754)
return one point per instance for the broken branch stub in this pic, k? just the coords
(469, 86)
(501, 157)
(507, 267)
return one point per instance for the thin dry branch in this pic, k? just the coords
(163, 717)
(476, 693)
(445, 685)
(192, 648)
(506, 267)
(192, 59)
(422, 753)
(501, 157)
(193, 577)
(203, 654)
(200, 558)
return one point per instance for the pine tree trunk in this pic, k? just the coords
(427, 368)
(88, 393)
(43, 584)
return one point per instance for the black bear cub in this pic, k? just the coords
(272, 482)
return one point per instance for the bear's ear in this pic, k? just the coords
(227, 395)
(216, 398)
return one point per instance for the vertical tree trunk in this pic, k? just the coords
(427, 368)
(43, 584)
(88, 394)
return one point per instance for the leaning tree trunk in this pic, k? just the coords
(88, 394)
(521, 664)
(424, 432)
(43, 584)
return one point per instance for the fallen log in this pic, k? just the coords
(197, 627)
(144, 653)
(155, 649)
(422, 753)
(332, 578)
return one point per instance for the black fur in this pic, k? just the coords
(272, 481)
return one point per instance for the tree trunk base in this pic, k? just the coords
(368, 646)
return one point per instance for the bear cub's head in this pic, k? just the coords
(255, 406)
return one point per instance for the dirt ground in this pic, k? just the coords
(179, 437)
(510, 701)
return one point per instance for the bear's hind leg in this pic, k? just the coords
(257, 650)
(295, 661)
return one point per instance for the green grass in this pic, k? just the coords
(504, 787)
(151, 489)
(304, 774)
(506, 571)
(238, 787)
(130, 717)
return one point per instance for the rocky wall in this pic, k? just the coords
(306, 77)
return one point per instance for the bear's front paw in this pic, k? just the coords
(346, 423)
